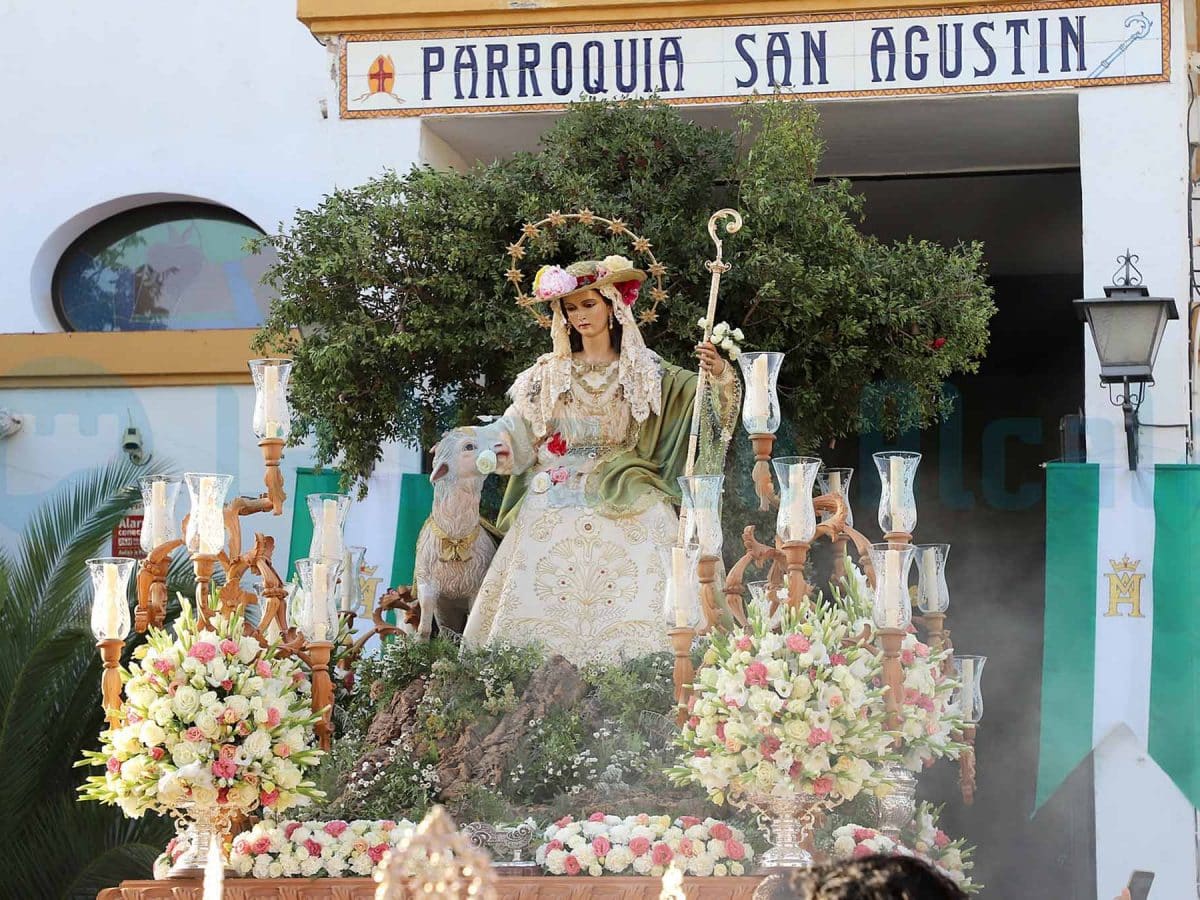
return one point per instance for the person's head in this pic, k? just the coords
(590, 314)
(869, 878)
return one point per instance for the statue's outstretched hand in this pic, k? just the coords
(711, 360)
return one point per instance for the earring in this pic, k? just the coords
(610, 320)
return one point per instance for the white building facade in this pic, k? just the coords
(260, 112)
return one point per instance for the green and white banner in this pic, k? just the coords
(1122, 620)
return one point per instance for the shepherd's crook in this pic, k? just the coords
(717, 267)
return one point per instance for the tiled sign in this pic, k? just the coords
(1010, 47)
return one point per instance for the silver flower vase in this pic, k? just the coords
(788, 822)
(897, 809)
(205, 827)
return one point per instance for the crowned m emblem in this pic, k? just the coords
(1124, 587)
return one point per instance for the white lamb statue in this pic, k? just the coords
(454, 548)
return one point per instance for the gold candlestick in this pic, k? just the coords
(966, 766)
(763, 444)
(322, 690)
(893, 674)
(272, 451)
(685, 672)
(796, 554)
(935, 626)
(706, 574)
(110, 682)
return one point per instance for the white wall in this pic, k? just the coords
(1134, 171)
(200, 429)
(110, 104)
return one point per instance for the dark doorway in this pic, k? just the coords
(981, 489)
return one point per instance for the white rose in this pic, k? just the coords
(618, 859)
(186, 703)
(701, 322)
(642, 864)
(287, 776)
(615, 263)
(719, 329)
(243, 795)
(204, 794)
(734, 353)
(152, 733)
(184, 754)
(140, 693)
(485, 462)
(248, 648)
(258, 744)
(208, 724)
(161, 711)
(727, 345)
(737, 334)
(125, 741)
(737, 869)
(595, 870)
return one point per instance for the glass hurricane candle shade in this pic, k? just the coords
(328, 513)
(797, 520)
(897, 505)
(702, 506)
(836, 481)
(681, 600)
(760, 405)
(969, 671)
(272, 418)
(932, 594)
(349, 587)
(892, 607)
(159, 495)
(206, 520)
(110, 602)
(316, 607)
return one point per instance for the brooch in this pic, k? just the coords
(540, 483)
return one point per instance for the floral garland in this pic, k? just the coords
(643, 845)
(922, 839)
(783, 712)
(211, 717)
(291, 849)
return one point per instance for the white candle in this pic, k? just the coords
(331, 537)
(707, 530)
(211, 527)
(892, 589)
(110, 591)
(158, 511)
(349, 576)
(968, 688)
(320, 599)
(679, 582)
(895, 487)
(270, 399)
(797, 514)
(929, 579)
(835, 483)
(758, 398)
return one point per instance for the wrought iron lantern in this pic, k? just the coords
(1127, 326)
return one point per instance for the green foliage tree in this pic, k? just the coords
(50, 699)
(392, 297)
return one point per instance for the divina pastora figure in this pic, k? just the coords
(597, 435)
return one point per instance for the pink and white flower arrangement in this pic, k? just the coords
(335, 849)
(210, 718)
(551, 281)
(930, 716)
(797, 710)
(643, 845)
(292, 849)
(923, 839)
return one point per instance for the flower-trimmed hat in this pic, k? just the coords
(553, 282)
(556, 283)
